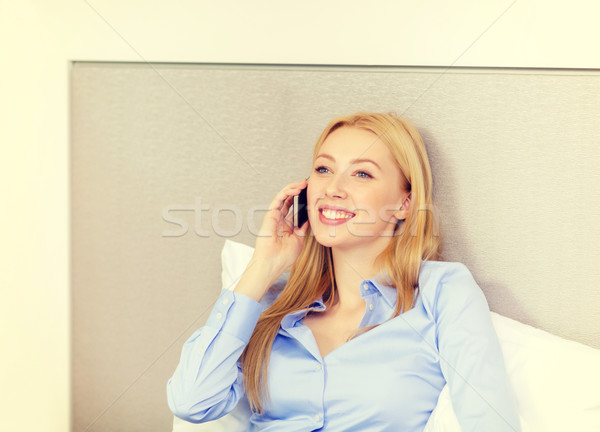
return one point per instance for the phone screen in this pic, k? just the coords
(300, 208)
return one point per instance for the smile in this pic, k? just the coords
(336, 214)
(330, 216)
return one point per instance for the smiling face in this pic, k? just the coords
(355, 191)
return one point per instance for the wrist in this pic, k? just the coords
(259, 275)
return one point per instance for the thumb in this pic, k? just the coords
(302, 230)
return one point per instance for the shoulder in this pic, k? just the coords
(436, 272)
(438, 276)
(448, 285)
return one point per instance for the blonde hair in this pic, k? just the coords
(415, 239)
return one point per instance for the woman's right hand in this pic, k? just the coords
(277, 246)
(278, 241)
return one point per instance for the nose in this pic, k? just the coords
(336, 188)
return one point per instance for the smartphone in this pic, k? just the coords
(300, 208)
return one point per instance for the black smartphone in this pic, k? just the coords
(300, 208)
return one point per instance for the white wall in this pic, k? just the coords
(38, 39)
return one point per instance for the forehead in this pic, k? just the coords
(352, 142)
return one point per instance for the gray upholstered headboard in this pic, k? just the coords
(167, 161)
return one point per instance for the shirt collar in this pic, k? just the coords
(389, 294)
(367, 287)
(292, 319)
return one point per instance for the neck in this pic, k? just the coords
(351, 267)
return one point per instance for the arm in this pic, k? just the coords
(207, 382)
(470, 356)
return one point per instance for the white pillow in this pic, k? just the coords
(556, 382)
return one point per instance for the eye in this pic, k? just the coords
(318, 169)
(366, 174)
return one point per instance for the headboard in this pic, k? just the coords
(167, 161)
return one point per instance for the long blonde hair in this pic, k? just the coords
(312, 275)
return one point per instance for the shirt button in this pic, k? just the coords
(371, 306)
(225, 301)
(317, 417)
(219, 315)
(318, 367)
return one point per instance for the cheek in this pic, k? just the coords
(311, 202)
(377, 206)
(312, 196)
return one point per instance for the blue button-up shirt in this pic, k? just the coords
(386, 379)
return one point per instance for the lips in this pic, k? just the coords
(334, 214)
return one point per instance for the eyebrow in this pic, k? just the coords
(353, 161)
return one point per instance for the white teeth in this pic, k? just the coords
(333, 214)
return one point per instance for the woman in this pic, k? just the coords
(369, 327)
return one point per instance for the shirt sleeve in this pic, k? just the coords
(207, 383)
(471, 357)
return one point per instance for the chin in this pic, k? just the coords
(323, 237)
(327, 241)
(339, 239)
(345, 239)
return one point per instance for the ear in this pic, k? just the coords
(402, 212)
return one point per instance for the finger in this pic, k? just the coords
(280, 198)
(301, 232)
(287, 204)
(289, 222)
(286, 223)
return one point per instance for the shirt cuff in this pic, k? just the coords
(235, 314)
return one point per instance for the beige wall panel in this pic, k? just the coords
(515, 155)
